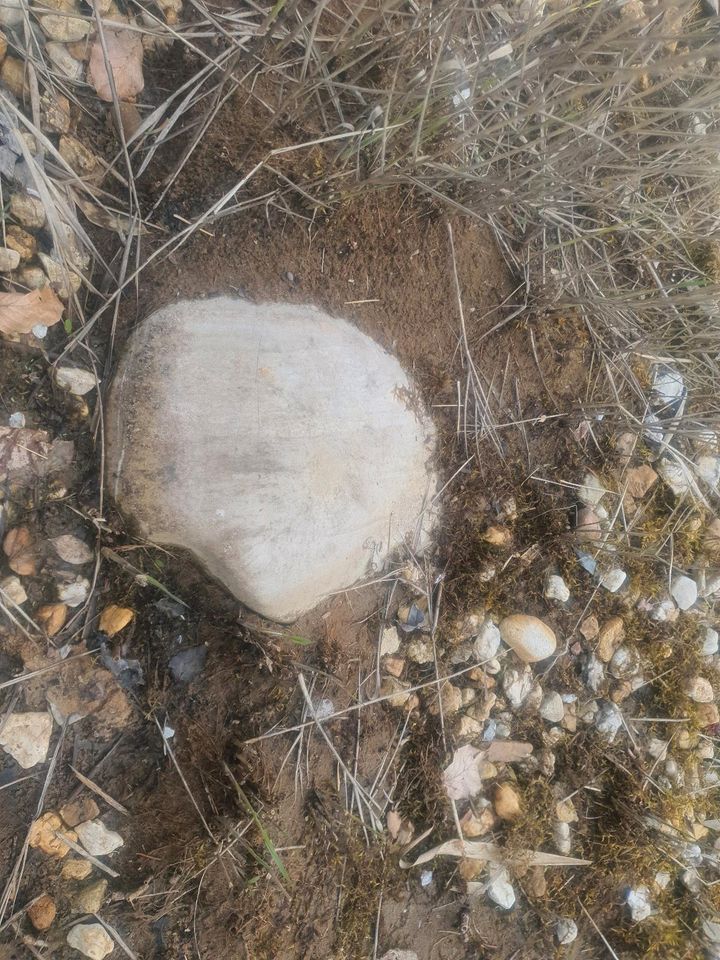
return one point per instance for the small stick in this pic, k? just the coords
(86, 781)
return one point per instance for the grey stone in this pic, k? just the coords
(188, 664)
(282, 447)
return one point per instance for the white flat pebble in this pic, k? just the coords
(613, 580)
(684, 591)
(26, 737)
(566, 931)
(500, 890)
(556, 589)
(91, 939)
(97, 839)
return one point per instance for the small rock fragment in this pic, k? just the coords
(28, 211)
(497, 536)
(12, 590)
(676, 475)
(9, 259)
(609, 638)
(389, 641)
(42, 912)
(591, 491)
(551, 707)
(26, 737)
(668, 385)
(478, 825)
(68, 65)
(500, 889)
(97, 839)
(21, 241)
(529, 637)
(556, 589)
(608, 720)
(420, 651)
(75, 380)
(44, 832)
(78, 811)
(593, 672)
(399, 955)
(188, 664)
(625, 663)
(613, 580)
(451, 699)
(52, 616)
(590, 627)
(684, 591)
(76, 869)
(566, 931)
(12, 74)
(506, 802)
(77, 155)
(565, 811)
(92, 940)
(707, 714)
(711, 643)
(64, 29)
(398, 693)
(640, 480)
(55, 112)
(700, 690)
(517, 685)
(562, 838)
(74, 592)
(90, 899)
(394, 666)
(638, 901)
(487, 642)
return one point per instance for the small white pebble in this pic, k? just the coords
(613, 580)
(556, 589)
(711, 643)
(684, 591)
(16, 420)
(566, 930)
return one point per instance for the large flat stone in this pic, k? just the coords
(281, 446)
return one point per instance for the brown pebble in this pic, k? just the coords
(536, 885)
(394, 666)
(610, 637)
(129, 118)
(78, 811)
(506, 802)
(14, 77)
(497, 536)
(640, 480)
(20, 240)
(590, 627)
(42, 912)
(76, 869)
(707, 714)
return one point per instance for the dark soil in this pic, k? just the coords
(381, 258)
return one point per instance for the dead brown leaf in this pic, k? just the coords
(124, 58)
(52, 617)
(114, 618)
(20, 550)
(20, 312)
